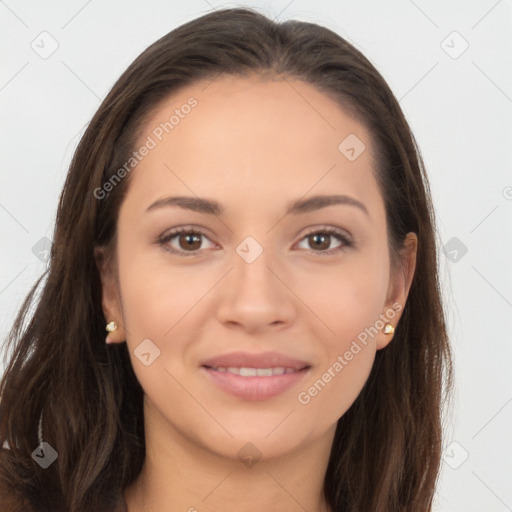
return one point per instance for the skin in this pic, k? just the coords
(255, 146)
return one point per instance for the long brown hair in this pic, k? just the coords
(63, 385)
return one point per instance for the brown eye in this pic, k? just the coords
(320, 241)
(189, 241)
(183, 241)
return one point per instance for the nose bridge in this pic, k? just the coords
(255, 296)
(252, 267)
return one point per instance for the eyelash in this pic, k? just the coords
(344, 239)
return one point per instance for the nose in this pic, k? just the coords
(257, 296)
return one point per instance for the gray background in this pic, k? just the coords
(457, 100)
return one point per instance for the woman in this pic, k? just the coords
(248, 218)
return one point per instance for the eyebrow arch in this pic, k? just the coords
(212, 207)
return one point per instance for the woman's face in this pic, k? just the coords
(269, 271)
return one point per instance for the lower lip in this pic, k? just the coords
(255, 388)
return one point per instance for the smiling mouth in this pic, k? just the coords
(250, 383)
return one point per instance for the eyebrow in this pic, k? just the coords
(212, 207)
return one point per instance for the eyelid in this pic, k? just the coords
(168, 235)
(343, 236)
(329, 229)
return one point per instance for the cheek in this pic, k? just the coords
(155, 300)
(333, 388)
(345, 299)
(349, 301)
(156, 294)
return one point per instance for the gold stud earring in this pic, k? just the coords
(389, 329)
(111, 326)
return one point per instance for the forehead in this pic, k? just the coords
(267, 137)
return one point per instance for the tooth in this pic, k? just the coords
(253, 372)
(248, 372)
(264, 372)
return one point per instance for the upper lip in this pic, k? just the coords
(261, 360)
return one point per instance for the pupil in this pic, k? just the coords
(190, 239)
(320, 237)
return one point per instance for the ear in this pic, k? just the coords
(110, 300)
(399, 286)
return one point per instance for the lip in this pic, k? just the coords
(259, 387)
(261, 360)
(254, 388)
